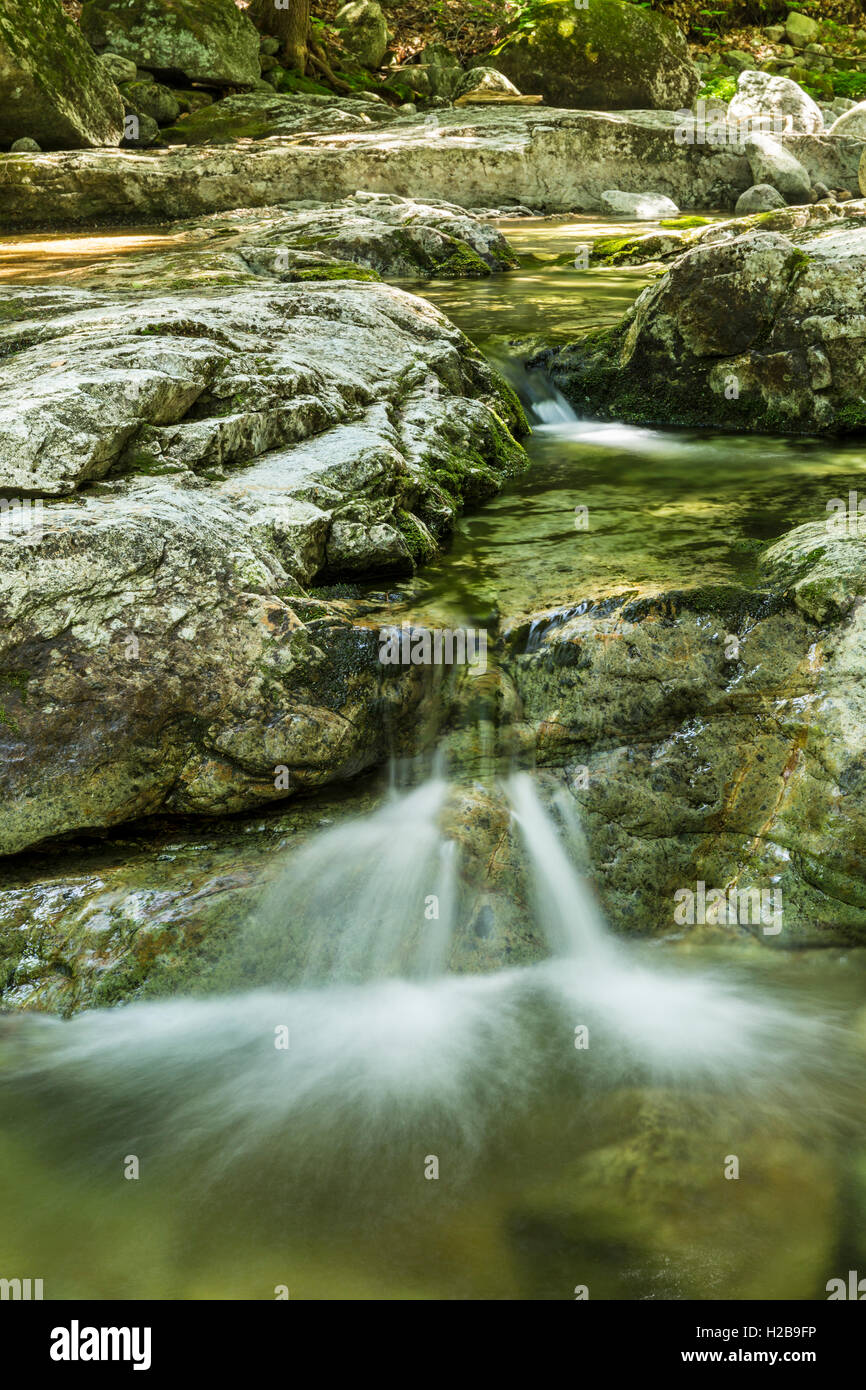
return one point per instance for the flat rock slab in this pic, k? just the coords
(549, 159)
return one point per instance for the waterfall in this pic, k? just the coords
(377, 1034)
(368, 899)
(564, 906)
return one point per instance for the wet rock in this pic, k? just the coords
(781, 102)
(652, 1178)
(159, 638)
(761, 197)
(209, 41)
(717, 737)
(606, 56)
(397, 237)
(728, 336)
(52, 88)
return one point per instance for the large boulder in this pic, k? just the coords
(774, 103)
(364, 31)
(758, 331)
(186, 465)
(396, 237)
(607, 56)
(52, 87)
(477, 156)
(209, 41)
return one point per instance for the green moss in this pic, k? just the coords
(852, 418)
(18, 681)
(683, 223)
(293, 82)
(337, 271)
(417, 540)
(7, 719)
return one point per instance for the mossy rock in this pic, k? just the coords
(609, 56)
(209, 41)
(52, 87)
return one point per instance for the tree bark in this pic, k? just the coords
(288, 21)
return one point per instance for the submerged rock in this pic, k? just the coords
(52, 88)
(608, 55)
(158, 637)
(759, 330)
(209, 41)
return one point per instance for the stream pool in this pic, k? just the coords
(421, 1135)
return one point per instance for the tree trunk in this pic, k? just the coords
(288, 21)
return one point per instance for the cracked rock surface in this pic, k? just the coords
(179, 470)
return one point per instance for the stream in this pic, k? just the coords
(342, 1117)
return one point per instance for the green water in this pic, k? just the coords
(665, 509)
(624, 1191)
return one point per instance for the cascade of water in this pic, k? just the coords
(545, 405)
(565, 908)
(370, 1054)
(370, 898)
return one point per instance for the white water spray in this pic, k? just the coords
(385, 1055)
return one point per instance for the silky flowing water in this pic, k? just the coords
(623, 1120)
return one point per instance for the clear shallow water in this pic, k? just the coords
(559, 1166)
(665, 508)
